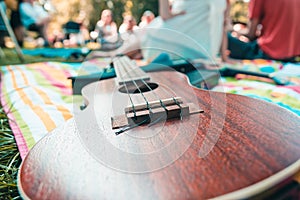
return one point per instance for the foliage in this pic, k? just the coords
(70, 10)
(140, 6)
(239, 11)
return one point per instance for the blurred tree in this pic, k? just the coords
(239, 11)
(140, 6)
(70, 10)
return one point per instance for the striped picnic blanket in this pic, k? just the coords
(38, 97)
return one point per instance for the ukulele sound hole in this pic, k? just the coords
(138, 88)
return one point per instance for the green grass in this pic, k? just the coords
(10, 159)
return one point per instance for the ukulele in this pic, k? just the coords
(209, 77)
(154, 136)
(206, 80)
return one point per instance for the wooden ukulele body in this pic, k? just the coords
(236, 148)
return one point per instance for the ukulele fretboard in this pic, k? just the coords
(127, 71)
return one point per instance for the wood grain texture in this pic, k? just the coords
(236, 143)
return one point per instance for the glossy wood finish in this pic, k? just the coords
(239, 143)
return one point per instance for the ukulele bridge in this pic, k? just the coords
(153, 112)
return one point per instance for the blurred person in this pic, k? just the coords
(106, 27)
(35, 18)
(128, 31)
(82, 20)
(6, 4)
(128, 25)
(130, 37)
(273, 32)
(146, 18)
(191, 29)
(16, 23)
(76, 31)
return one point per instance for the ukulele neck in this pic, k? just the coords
(127, 71)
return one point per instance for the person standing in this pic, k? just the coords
(190, 28)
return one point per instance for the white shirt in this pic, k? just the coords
(195, 34)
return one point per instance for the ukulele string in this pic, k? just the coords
(132, 105)
(131, 101)
(147, 103)
(159, 99)
(174, 99)
(129, 127)
(178, 104)
(161, 103)
(135, 84)
(134, 112)
(145, 98)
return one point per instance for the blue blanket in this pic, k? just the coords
(55, 52)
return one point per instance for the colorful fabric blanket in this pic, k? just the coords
(38, 97)
(287, 96)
